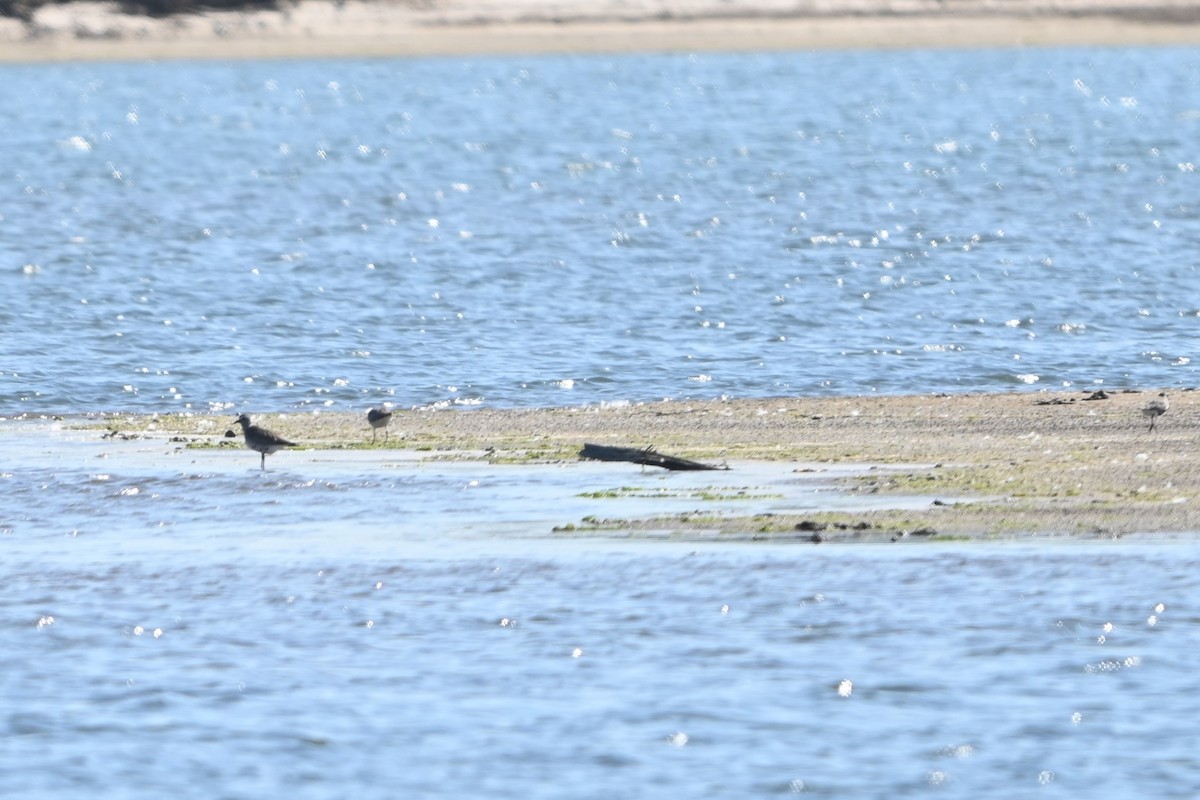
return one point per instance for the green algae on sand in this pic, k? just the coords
(990, 465)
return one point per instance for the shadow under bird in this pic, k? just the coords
(379, 418)
(1156, 408)
(262, 440)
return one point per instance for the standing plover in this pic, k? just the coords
(1156, 408)
(379, 418)
(261, 439)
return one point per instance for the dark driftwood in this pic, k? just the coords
(646, 456)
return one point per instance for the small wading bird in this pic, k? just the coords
(379, 418)
(1156, 408)
(261, 439)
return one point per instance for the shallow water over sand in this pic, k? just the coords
(151, 492)
(540, 231)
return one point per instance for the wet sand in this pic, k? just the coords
(982, 465)
(89, 31)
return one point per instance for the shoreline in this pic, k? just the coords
(981, 466)
(98, 32)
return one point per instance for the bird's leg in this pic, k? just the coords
(263, 462)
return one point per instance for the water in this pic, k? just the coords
(178, 622)
(604, 669)
(543, 231)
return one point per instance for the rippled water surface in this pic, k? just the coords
(602, 671)
(178, 622)
(539, 231)
(543, 231)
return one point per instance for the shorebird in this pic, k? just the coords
(379, 418)
(261, 439)
(1156, 408)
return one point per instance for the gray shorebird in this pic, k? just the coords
(1156, 408)
(261, 439)
(379, 418)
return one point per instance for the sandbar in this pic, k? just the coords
(981, 466)
(100, 31)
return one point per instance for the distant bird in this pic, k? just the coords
(261, 439)
(1156, 408)
(379, 418)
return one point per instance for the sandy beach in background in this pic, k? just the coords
(397, 28)
(984, 466)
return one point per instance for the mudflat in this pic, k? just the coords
(985, 465)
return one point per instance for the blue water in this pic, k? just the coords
(602, 670)
(547, 231)
(543, 231)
